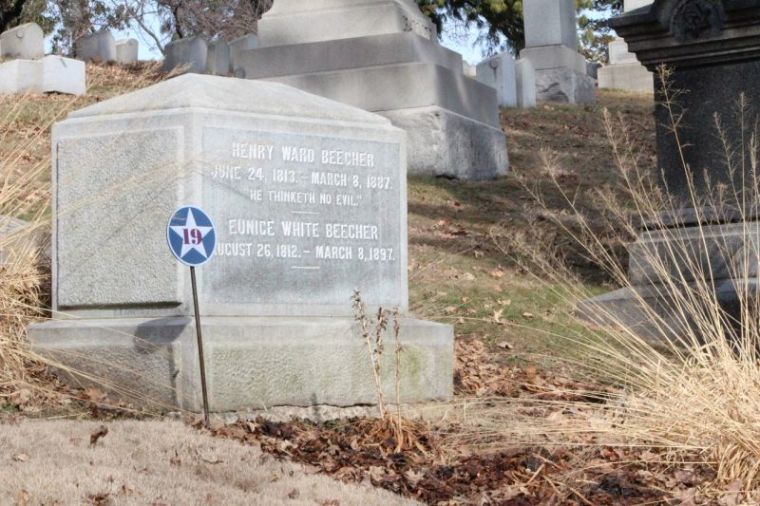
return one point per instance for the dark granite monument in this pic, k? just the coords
(711, 50)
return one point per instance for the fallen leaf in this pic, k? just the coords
(528, 316)
(95, 436)
(505, 345)
(294, 494)
(22, 499)
(21, 457)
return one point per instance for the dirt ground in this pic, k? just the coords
(157, 463)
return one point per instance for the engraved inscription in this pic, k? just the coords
(303, 219)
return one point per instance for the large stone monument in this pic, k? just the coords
(624, 71)
(551, 44)
(383, 56)
(309, 200)
(713, 51)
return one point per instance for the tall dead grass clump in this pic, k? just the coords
(681, 376)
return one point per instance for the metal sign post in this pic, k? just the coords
(192, 238)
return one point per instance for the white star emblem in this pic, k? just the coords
(185, 233)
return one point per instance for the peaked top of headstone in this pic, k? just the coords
(197, 91)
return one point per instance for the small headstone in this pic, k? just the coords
(188, 55)
(127, 51)
(25, 42)
(499, 72)
(238, 47)
(308, 197)
(98, 47)
(525, 84)
(218, 61)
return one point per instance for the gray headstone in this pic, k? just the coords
(218, 62)
(308, 197)
(525, 76)
(98, 47)
(550, 22)
(238, 47)
(127, 51)
(499, 73)
(23, 42)
(189, 55)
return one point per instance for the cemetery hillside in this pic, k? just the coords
(307, 254)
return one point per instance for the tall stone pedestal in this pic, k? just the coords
(713, 51)
(309, 200)
(383, 56)
(551, 45)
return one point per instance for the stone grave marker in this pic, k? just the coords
(624, 71)
(525, 84)
(98, 47)
(499, 72)
(127, 51)
(189, 54)
(383, 56)
(309, 200)
(25, 42)
(551, 41)
(218, 61)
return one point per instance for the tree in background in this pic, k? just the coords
(501, 22)
(16, 12)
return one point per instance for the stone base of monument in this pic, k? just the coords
(627, 76)
(451, 145)
(671, 269)
(561, 75)
(51, 74)
(452, 121)
(251, 362)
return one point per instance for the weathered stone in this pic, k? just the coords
(188, 55)
(345, 54)
(383, 56)
(499, 73)
(550, 23)
(127, 51)
(238, 47)
(308, 196)
(298, 22)
(551, 40)
(97, 47)
(624, 71)
(627, 76)
(218, 61)
(63, 75)
(26, 42)
(526, 84)
(51, 74)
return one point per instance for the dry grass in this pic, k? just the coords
(156, 463)
(691, 389)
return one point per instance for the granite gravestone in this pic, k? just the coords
(713, 51)
(127, 51)
(25, 42)
(383, 56)
(187, 55)
(499, 72)
(624, 72)
(98, 47)
(551, 42)
(309, 200)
